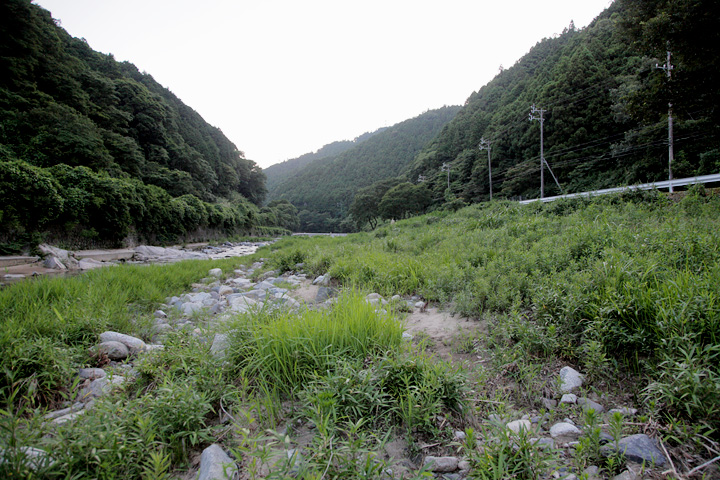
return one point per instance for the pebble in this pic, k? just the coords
(569, 398)
(564, 429)
(518, 425)
(441, 464)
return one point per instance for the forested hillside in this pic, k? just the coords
(605, 108)
(278, 173)
(92, 150)
(324, 190)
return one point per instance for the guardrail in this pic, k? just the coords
(677, 182)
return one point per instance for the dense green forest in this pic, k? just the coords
(323, 190)
(278, 173)
(605, 108)
(92, 150)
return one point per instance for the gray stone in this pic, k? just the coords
(543, 443)
(548, 404)
(459, 434)
(518, 425)
(135, 345)
(569, 398)
(90, 264)
(322, 280)
(564, 429)
(264, 286)
(373, 296)
(68, 417)
(587, 404)
(441, 464)
(33, 458)
(624, 410)
(215, 464)
(225, 290)
(215, 272)
(464, 466)
(91, 373)
(324, 293)
(592, 472)
(114, 350)
(407, 336)
(100, 387)
(420, 305)
(626, 475)
(570, 379)
(638, 448)
(54, 263)
(59, 413)
(160, 314)
(191, 307)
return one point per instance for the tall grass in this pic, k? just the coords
(286, 350)
(48, 323)
(616, 275)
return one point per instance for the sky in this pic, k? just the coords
(282, 78)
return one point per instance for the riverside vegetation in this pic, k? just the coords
(624, 288)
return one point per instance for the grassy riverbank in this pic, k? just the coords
(624, 288)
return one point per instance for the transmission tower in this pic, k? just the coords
(668, 67)
(539, 114)
(485, 145)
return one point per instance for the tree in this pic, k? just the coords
(405, 200)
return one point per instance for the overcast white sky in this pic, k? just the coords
(284, 77)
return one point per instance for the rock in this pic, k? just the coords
(219, 345)
(100, 387)
(543, 443)
(586, 403)
(626, 475)
(33, 458)
(135, 345)
(570, 379)
(243, 282)
(215, 464)
(225, 290)
(189, 308)
(160, 314)
(441, 464)
(564, 429)
(47, 250)
(407, 336)
(92, 373)
(464, 466)
(54, 263)
(322, 280)
(638, 448)
(215, 272)
(420, 305)
(548, 404)
(324, 293)
(89, 264)
(113, 350)
(624, 410)
(518, 425)
(592, 473)
(59, 413)
(569, 398)
(68, 417)
(459, 435)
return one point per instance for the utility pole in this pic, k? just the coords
(539, 114)
(485, 145)
(446, 168)
(668, 67)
